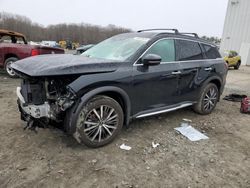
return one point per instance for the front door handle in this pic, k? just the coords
(208, 69)
(176, 72)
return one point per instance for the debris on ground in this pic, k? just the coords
(155, 145)
(125, 147)
(60, 171)
(187, 120)
(234, 97)
(190, 132)
(245, 106)
(21, 168)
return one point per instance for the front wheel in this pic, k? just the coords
(8, 68)
(207, 100)
(99, 122)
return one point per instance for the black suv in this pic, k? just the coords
(128, 76)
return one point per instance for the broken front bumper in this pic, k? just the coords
(35, 111)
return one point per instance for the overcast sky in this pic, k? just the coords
(206, 17)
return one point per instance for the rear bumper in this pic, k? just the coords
(35, 111)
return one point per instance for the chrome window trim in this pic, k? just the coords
(174, 38)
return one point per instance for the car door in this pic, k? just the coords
(156, 86)
(1, 54)
(191, 60)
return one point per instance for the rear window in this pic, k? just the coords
(188, 50)
(211, 51)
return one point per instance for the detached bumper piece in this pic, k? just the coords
(36, 111)
(34, 115)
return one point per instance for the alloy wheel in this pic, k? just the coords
(9, 69)
(100, 123)
(210, 99)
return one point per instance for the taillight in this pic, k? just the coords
(34, 52)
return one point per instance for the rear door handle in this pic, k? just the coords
(176, 72)
(208, 69)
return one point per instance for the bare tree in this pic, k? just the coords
(82, 33)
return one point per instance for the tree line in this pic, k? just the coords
(82, 32)
(214, 40)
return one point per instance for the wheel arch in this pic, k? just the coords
(217, 82)
(9, 55)
(116, 93)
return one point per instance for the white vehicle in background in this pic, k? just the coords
(50, 43)
(34, 43)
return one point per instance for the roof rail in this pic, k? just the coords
(194, 34)
(175, 30)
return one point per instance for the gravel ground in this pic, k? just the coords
(52, 159)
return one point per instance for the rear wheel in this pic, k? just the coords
(99, 122)
(8, 68)
(208, 99)
(237, 66)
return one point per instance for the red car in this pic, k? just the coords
(14, 46)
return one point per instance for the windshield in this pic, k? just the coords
(119, 47)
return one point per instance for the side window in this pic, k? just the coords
(211, 52)
(235, 54)
(165, 49)
(230, 54)
(5, 39)
(19, 40)
(188, 50)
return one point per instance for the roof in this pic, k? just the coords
(171, 33)
(184, 36)
(12, 33)
(176, 34)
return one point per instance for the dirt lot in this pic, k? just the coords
(52, 159)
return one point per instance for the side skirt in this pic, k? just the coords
(163, 110)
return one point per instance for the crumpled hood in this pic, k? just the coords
(64, 64)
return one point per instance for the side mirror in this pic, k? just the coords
(151, 59)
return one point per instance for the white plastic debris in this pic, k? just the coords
(187, 120)
(125, 147)
(190, 132)
(155, 145)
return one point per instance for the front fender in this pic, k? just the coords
(73, 113)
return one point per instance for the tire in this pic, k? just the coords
(98, 122)
(7, 66)
(237, 66)
(208, 99)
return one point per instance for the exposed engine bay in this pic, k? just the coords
(42, 100)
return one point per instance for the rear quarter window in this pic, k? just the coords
(188, 50)
(211, 52)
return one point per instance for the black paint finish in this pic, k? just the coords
(143, 88)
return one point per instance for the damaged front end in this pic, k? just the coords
(42, 100)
